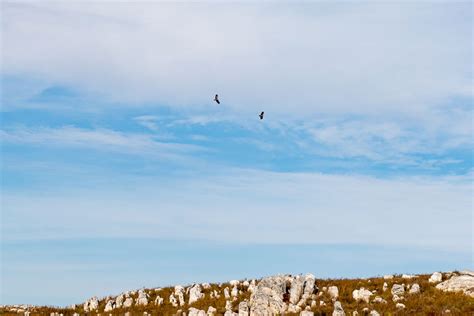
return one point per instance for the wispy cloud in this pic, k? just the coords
(330, 59)
(269, 207)
(148, 121)
(99, 139)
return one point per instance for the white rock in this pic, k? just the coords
(293, 308)
(173, 300)
(128, 302)
(314, 304)
(228, 305)
(461, 283)
(142, 298)
(267, 299)
(159, 300)
(196, 312)
(309, 285)
(400, 306)
(435, 277)
(397, 298)
(388, 277)
(378, 299)
(235, 291)
(408, 276)
(179, 293)
(338, 310)
(206, 286)
(398, 289)
(306, 313)
(333, 292)
(385, 286)
(355, 313)
(226, 293)
(361, 295)
(211, 311)
(119, 301)
(234, 282)
(246, 283)
(243, 308)
(467, 272)
(415, 289)
(195, 294)
(91, 305)
(296, 289)
(374, 313)
(109, 306)
(251, 288)
(322, 303)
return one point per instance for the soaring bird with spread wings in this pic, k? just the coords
(216, 98)
(261, 115)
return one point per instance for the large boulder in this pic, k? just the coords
(338, 310)
(267, 299)
(142, 298)
(91, 304)
(415, 289)
(173, 300)
(362, 295)
(296, 289)
(109, 306)
(179, 293)
(398, 289)
(243, 308)
(435, 278)
(128, 302)
(309, 285)
(195, 293)
(333, 292)
(119, 300)
(459, 283)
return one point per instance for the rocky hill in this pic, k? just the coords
(450, 293)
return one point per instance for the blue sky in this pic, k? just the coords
(115, 160)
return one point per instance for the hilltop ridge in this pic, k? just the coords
(449, 293)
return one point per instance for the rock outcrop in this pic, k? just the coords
(278, 295)
(195, 293)
(459, 283)
(361, 295)
(268, 297)
(436, 277)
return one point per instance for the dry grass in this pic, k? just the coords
(430, 301)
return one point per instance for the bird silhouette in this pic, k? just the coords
(261, 115)
(216, 98)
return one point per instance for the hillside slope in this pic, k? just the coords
(450, 293)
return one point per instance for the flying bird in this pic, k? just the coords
(261, 115)
(216, 98)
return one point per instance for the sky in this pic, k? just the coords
(118, 171)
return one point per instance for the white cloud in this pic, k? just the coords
(99, 139)
(254, 207)
(308, 57)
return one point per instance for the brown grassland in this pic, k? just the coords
(430, 301)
